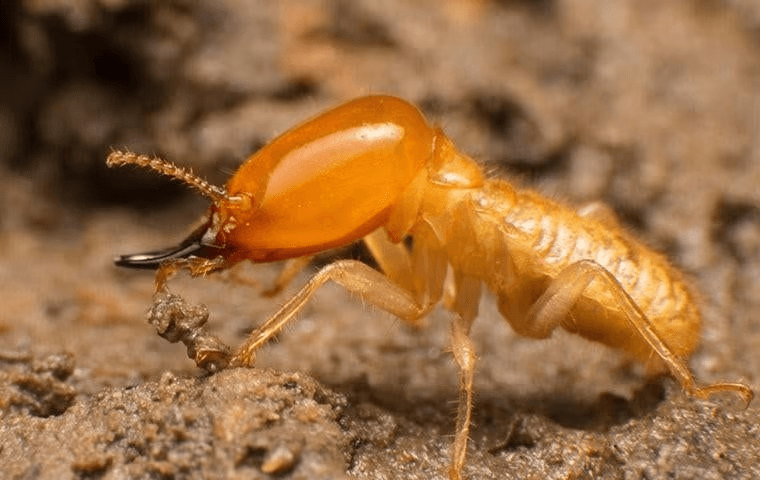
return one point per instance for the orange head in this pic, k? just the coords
(325, 183)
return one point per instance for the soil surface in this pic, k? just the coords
(651, 107)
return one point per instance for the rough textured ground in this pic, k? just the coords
(650, 106)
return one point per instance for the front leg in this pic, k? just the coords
(197, 267)
(356, 277)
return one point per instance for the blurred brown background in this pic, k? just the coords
(651, 106)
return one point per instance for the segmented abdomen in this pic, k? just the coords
(544, 237)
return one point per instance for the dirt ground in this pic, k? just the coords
(652, 107)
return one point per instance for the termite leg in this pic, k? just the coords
(425, 271)
(429, 265)
(561, 295)
(465, 306)
(393, 258)
(422, 271)
(195, 265)
(233, 275)
(356, 277)
(289, 271)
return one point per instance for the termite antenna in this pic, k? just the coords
(164, 167)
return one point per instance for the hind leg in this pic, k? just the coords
(554, 306)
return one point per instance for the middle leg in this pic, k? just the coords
(465, 306)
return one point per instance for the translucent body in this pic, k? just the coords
(374, 169)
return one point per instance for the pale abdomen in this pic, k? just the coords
(524, 241)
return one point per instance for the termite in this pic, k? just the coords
(375, 169)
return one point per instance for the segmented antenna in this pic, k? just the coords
(118, 158)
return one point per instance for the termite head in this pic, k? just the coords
(326, 183)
